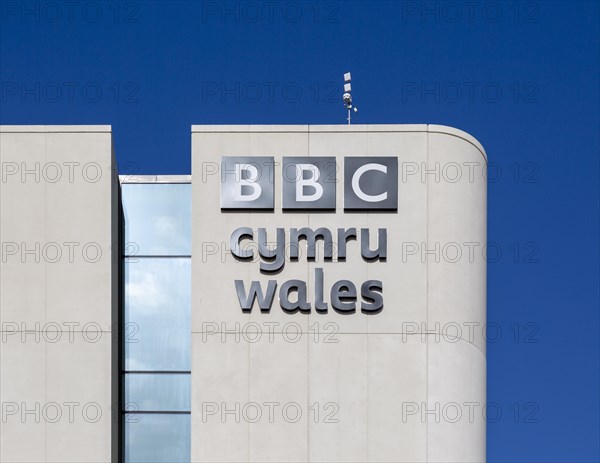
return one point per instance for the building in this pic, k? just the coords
(309, 293)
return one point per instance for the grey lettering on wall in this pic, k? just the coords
(247, 182)
(371, 183)
(309, 182)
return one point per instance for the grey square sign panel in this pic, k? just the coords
(371, 183)
(247, 182)
(309, 182)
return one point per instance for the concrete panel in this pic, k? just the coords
(457, 395)
(23, 186)
(397, 371)
(271, 143)
(23, 397)
(22, 225)
(457, 228)
(220, 379)
(77, 368)
(83, 191)
(278, 388)
(23, 294)
(338, 144)
(338, 396)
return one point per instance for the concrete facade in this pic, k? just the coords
(348, 387)
(406, 384)
(59, 293)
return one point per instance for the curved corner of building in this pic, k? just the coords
(456, 295)
(461, 134)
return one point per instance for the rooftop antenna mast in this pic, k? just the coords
(348, 96)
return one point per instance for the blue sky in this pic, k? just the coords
(522, 77)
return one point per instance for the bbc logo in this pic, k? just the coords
(309, 183)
